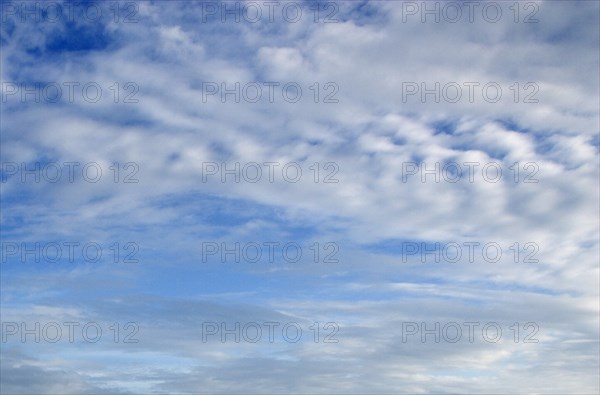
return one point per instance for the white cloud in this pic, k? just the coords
(370, 134)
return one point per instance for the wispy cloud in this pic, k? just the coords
(170, 165)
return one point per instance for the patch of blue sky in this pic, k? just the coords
(16, 216)
(596, 142)
(400, 246)
(226, 212)
(444, 126)
(203, 281)
(78, 38)
(227, 278)
(493, 286)
(511, 124)
(360, 13)
(8, 29)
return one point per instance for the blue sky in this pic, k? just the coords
(152, 62)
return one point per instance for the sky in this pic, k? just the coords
(300, 197)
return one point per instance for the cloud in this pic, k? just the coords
(378, 156)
